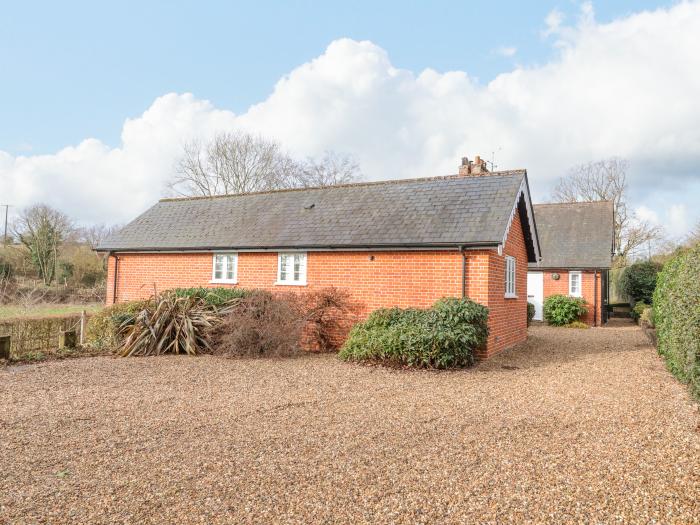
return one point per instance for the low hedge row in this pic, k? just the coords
(444, 336)
(677, 316)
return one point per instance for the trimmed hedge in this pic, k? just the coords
(102, 330)
(677, 316)
(560, 310)
(444, 336)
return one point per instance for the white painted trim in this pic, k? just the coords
(580, 283)
(225, 269)
(302, 268)
(524, 192)
(506, 277)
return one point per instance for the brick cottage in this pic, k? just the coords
(402, 243)
(577, 242)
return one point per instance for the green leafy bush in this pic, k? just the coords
(444, 336)
(639, 280)
(213, 296)
(530, 313)
(647, 317)
(638, 309)
(102, 330)
(677, 316)
(560, 310)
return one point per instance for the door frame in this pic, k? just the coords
(532, 295)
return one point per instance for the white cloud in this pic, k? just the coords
(553, 22)
(626, 88)
(507, 51)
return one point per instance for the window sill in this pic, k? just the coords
(510, 296)
(222, 281)
(284, 283)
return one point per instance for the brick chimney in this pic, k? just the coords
(473, 169)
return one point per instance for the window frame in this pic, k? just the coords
(225, 269)
(303, 265)
(511, 291)
(580, 283)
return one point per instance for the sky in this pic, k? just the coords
(97, 99)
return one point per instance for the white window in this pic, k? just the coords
(510, 276)
(291, 268)
(575, 284)
(225, 268)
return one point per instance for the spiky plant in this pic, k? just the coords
(170, 324)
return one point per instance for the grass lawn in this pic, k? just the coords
(13, 310)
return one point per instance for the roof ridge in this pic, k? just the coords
(348, 185)
(573, 203)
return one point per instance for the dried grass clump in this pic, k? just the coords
(261, 325)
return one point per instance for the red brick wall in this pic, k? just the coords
(374, 279)
(561, 287)
(508, 316)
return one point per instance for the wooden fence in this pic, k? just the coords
(24, 337)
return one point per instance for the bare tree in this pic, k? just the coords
(42, 230)
(607, 180)
(330, 170)
(243, 163)
(694, 235)
(95, 234)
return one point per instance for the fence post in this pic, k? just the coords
(82, 327)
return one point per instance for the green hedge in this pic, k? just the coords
(677, 316)
(102, 330)
(213, 296)
(638, 281)
(560, 310)
(444, 336)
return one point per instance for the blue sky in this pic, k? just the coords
(97, 99)
(78, 69)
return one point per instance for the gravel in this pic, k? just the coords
(574, 426)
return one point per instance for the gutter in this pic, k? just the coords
(336, 247)
(595, 297)
(464, 272)
(116, 275)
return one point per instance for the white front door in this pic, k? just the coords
(535, 292)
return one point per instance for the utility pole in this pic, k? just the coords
(7, 207)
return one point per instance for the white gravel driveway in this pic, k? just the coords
(576, 426)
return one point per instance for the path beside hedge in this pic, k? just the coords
(576, 426)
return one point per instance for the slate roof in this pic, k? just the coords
(575, 235)
(438, 211)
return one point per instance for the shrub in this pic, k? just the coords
(638, 309)
(677, 316)
(261, 324)
(638, 281)
(530, 313)
(103, 328)
(169, 323)
(647, 317)
(213, 296)
(444, 336)
(329, 313)
(560, 310)
(576, 324)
